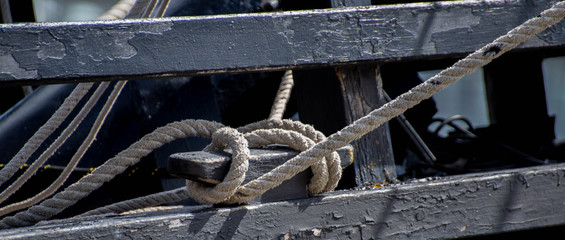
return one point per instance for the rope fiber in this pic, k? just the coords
(316, 149)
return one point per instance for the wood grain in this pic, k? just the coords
(42, 53)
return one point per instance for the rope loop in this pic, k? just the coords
(326, 169)
(222, 138)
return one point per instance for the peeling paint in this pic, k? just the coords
(114, 44)
(430, 23)
(51, 47)
(9, 66)
(176, 223)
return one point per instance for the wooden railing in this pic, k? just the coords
(354, 41)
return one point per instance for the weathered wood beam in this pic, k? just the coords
(362, 91)
(42, 53)
(444, 208)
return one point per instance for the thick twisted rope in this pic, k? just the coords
(294, 134)
(79, 153)
(160, 198)
(108, 170)
(332, 143)
(283, 95)
(331, 158)
(326, 169)
(405, 101)
(44, 132)
(277, 110)
(53, 147)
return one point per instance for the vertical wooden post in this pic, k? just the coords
(362, 92)
(330, 99)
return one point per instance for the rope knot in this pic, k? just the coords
(326, 169)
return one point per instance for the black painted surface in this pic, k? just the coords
(212, 167)
(112, 50)
(362, 92)
(442, 208)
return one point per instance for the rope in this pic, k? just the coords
(53, 147)
(257, 135)
(156, 199)
(80, 152)
(109, 169)
(326, 169)
(277, 110)
(6, 13)
(405, 101)
(309, 157)
(54, 122)
(119, 10)
(283, 95)
(182, 193)
(44, 132)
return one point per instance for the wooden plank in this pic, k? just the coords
(42, 53)
(362, 91)
(451, 207)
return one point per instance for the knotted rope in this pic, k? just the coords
(175, 195)
(229, 191)
(311, 156)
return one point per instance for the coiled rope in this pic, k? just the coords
(175, 195)
(310, 156)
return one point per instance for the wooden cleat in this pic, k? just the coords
(212, 167)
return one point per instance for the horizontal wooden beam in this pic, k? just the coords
(444, 208)
(43, 53)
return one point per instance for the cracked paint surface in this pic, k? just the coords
(258, 42)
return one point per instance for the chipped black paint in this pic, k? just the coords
(42, 53)
(440, 208)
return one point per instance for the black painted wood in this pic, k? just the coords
(42, 53)
(443, 208)
(212, 167)
(363, 92)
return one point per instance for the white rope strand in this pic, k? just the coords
(44, 132)
(283, 95)
(53, 147)
(77, 156)
(310, 157)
